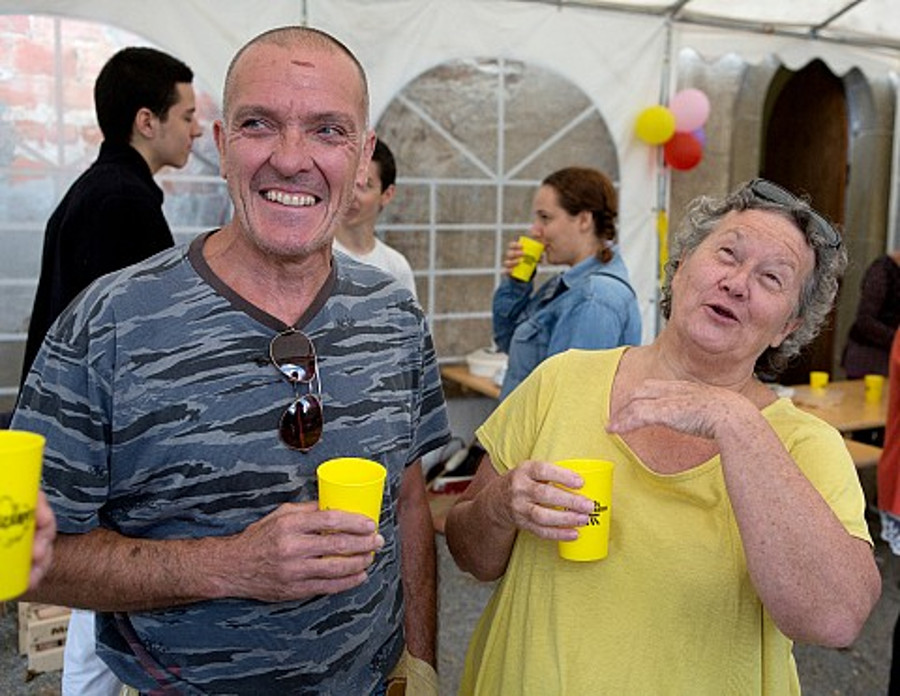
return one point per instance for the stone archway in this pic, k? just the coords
(473, 138)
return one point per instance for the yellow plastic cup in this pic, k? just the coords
(21, 456)
(352, 484)
(592, 543)
(874, 386)
(818, 379)
(531, 254)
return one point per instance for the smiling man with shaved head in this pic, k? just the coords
(188, 401)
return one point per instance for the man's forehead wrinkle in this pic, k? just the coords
(302, 63)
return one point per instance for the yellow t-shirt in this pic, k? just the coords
(671, 610)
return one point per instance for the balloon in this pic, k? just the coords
(690, 107)
(683, 151)
(700, 134)
(655, 125)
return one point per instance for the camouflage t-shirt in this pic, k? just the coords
(161, 410)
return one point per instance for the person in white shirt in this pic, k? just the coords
(355, 236)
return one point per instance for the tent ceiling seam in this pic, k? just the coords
(679, 12)
(844, 10)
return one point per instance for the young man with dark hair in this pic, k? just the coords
(110, 218)
(112, 215)
(355, 235)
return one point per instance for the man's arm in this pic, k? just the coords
(418, 566)
(287, 555)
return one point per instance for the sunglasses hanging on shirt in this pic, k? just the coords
(294, 356)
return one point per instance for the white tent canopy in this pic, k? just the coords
(860, 22)
(874, 23)
(205, 33)
(617, 52)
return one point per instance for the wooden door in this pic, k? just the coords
(806, 151)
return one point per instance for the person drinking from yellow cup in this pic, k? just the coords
(712, 570)
(590, 305)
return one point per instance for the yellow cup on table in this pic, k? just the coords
(21, 456)
(531, 254)
(818, 379)
(592, 543)
(352, 484)
(874, 386)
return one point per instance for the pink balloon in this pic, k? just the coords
(690, 108)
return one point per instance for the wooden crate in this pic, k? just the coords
(42, 635)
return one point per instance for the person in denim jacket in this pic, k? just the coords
(591, 305)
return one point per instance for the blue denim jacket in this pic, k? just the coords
(592, 305)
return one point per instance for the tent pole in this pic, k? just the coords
(893, 234)
(662, 179)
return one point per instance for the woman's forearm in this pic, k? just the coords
(816, 581)
(479, 538)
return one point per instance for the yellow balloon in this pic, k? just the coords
(655, 125)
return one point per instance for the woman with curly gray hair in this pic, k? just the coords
(818, 292)
(737, 520)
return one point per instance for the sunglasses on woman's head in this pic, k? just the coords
(771, 192)
(294, 356)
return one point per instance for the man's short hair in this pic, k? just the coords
(387, 167)
(133, 79)
(289, 37)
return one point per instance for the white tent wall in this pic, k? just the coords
(615, 59)
(619, 58)
(792, 51)
(203, 33)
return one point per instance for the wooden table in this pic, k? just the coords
(864, 455)
(459, 374)
(842, 404)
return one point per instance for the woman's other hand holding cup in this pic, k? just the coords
(529, 498)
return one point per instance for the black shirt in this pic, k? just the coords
(111, 217)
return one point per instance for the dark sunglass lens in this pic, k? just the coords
(773, 193)
(294, 355)
(301, 423)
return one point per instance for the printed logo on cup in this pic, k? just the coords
(15, 521)
(594, 517)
